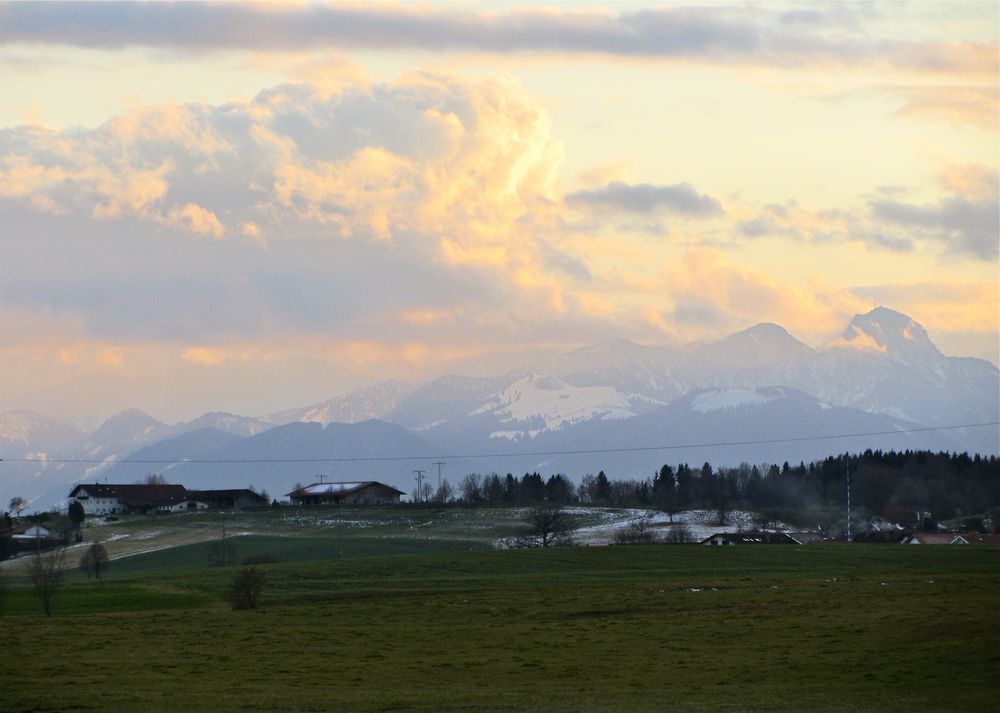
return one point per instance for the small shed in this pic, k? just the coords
(31, 533)
(367, 492)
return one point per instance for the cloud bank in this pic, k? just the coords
(810, 35)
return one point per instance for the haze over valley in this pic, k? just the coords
(756, 396)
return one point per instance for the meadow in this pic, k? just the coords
(387, 621)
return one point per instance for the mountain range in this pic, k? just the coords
(759, 395)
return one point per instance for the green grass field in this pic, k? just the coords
(436, 627)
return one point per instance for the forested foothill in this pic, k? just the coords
(914, 489)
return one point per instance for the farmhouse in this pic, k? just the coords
(112, 499)
(357, 493)
(750, 538)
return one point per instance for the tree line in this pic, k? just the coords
(906, 487)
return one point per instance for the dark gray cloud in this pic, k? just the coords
(792, 37)
(679, 198)
(961, 224)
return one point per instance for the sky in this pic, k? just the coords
(253, 207)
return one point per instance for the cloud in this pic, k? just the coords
(204, 355)
(957, 104)
(960, 224)
(194, 218)
(707, 293)
(426, 155)
(716, 34)
(332, 213)
(966, 224)
(681, 198)
(857, 340)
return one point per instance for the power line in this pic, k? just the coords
(469, 456)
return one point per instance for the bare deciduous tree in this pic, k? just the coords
(444, 493)
(221, 553)
(471, 488)
(550, 527)
(45, 571)
(94, 562)
(4, 591)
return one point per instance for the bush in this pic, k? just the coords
(260, 559)
(245, 588)
(638, 532)
(679, 534)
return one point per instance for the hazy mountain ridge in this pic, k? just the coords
(883, 374)
(361, 405)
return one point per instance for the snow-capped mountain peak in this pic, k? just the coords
(885, 331)
(760, 345)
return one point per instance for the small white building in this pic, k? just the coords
(183, 506)
(34, 533)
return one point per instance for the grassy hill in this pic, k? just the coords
(436, 627)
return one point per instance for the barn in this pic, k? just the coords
(367, 492)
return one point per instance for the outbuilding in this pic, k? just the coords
(368, 492)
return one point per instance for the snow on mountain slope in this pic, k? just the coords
(717, 400)
(361, 405)
(659, 373)
(226, 422)
(30, 432)
(551, 404)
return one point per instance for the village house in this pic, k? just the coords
(367, 492)
(750, 538)
(935, 538)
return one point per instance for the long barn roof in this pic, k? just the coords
(338, 488)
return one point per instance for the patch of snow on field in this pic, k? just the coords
(700, 523)
(353, 523)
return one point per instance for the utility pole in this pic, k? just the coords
(847, 472)
(420, 481)
(439, 464)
